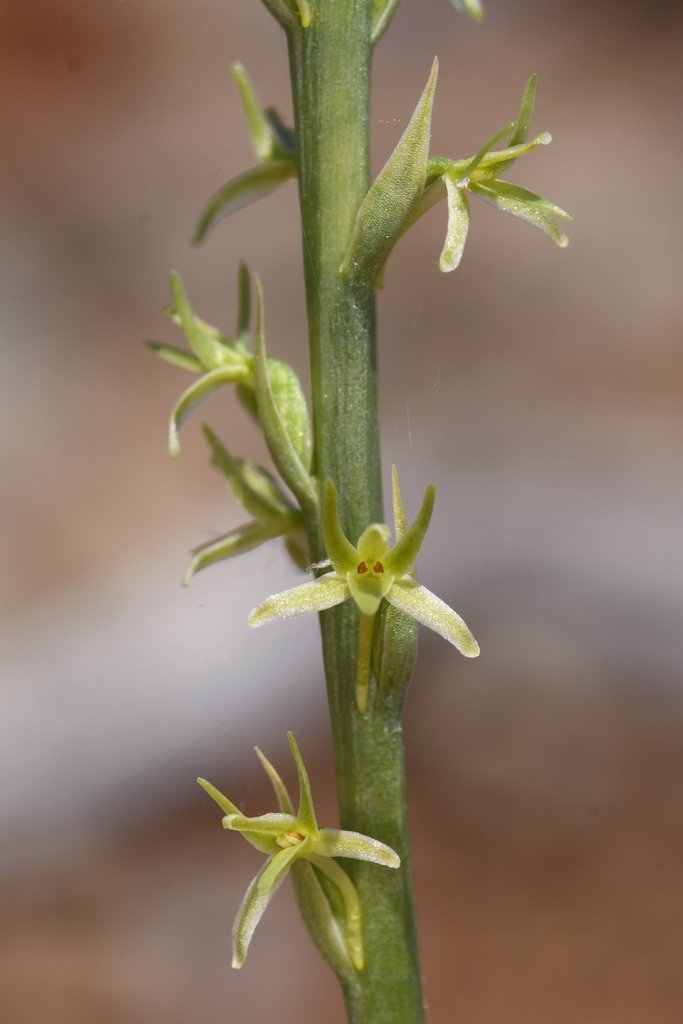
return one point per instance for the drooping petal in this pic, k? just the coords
(431, 611)
(458, 226)
(251, 911)
(228, 545)
(242, 190)
(526, 205)
(324, 592)
(193, 396)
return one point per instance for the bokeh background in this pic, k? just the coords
(540, 389)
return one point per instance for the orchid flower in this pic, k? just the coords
(290, 839)
(368, 573)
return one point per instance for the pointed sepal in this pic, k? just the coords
(392, 195)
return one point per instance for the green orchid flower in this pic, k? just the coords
(369, 573)
(219, 359)
(295, 842)
(481, 175)
(268, 388)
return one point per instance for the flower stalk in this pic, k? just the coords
(330, 73)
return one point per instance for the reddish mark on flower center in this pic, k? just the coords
(377, 568)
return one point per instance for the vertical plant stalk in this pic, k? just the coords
(330, 71)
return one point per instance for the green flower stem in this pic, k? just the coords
(330, 71)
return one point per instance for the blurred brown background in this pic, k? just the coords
(541, 390)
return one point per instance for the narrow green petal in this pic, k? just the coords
(525, 205)
(340, 550)
(242, 190)
(250, 913)
(324, 592)
(283, 797)
(228, 545)
(526, 111)
(480, 156)
(393, 194)
(259, 129)
(225, 805)
(265, 844)
(401, 558)
(335, 842)
(494, 163)
(194, 396)
(409, 596)
(458, 226)
(210, 346)
(306, 812)
(177, 356)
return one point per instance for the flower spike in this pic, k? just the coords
(295, 842)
